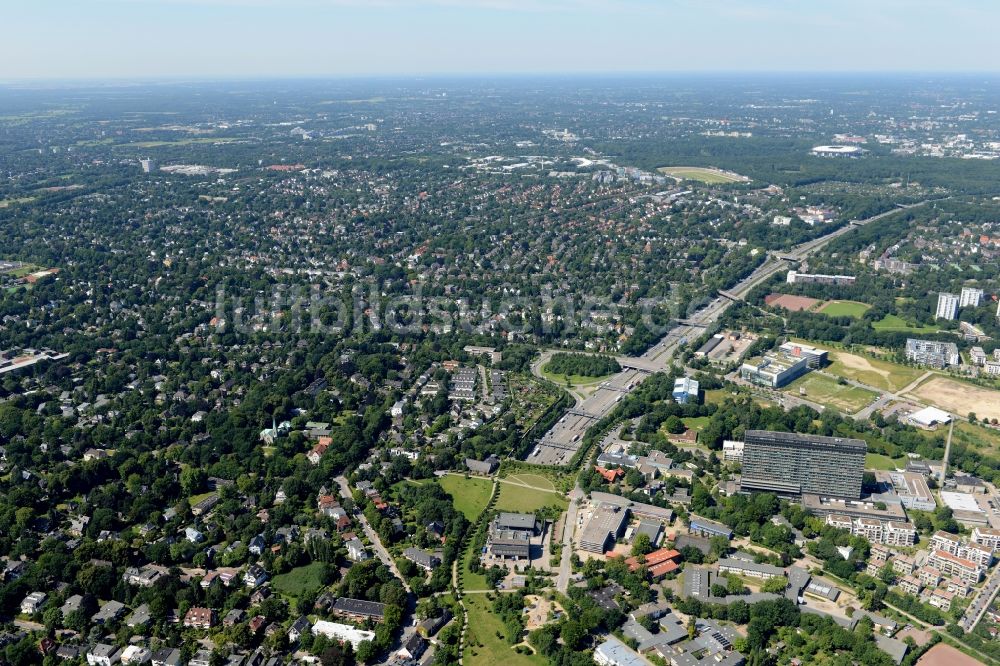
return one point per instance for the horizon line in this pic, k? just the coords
(568, 74)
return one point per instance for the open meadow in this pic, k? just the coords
(958, 397)
(469, 495)
(827, 391)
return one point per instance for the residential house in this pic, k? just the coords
(103, 654)
(298, 629)
(166, 657)
(356, 551)
(255, 576)
(109, 612)
(358, 609)
(33, 603)
(422, 558)
(200, 618)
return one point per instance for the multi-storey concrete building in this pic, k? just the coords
(986, 537)
(888, 532)
(954, 545)
(947, 306)
(749, 568)
(910, 585)
(791, 464)
(970, 297)
(607, 524)
(966, 571)
(931, 352)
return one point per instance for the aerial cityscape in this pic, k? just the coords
(628, 369)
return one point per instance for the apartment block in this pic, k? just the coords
(947, 306)
(964, 570)
(931, 352)
(986, 537)
(970, 297)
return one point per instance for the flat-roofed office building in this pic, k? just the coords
(791, 464)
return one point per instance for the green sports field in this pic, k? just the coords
(844, 309)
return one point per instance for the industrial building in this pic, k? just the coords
(912, 490)
(685, 391)
(607, 524)
(929, 418)
(791, 464)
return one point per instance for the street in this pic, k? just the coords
(380, 551)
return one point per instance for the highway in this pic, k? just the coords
(562, 441)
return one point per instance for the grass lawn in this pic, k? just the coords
(194, 499)
(482, 646)
(697, 423)
(893, 323)
(536, 480)
(716, 396)
(470, 496)
(471, 581)
(845, 309)
(826, 391)
(701, 174)
(11, 202)
(575, 380)
(878, 461)
(525, 500)
(300, 580)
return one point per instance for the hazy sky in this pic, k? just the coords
(267, 38)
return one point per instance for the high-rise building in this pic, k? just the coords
(970, 298)
(947, 307)
(791, 464)
(148, 165)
